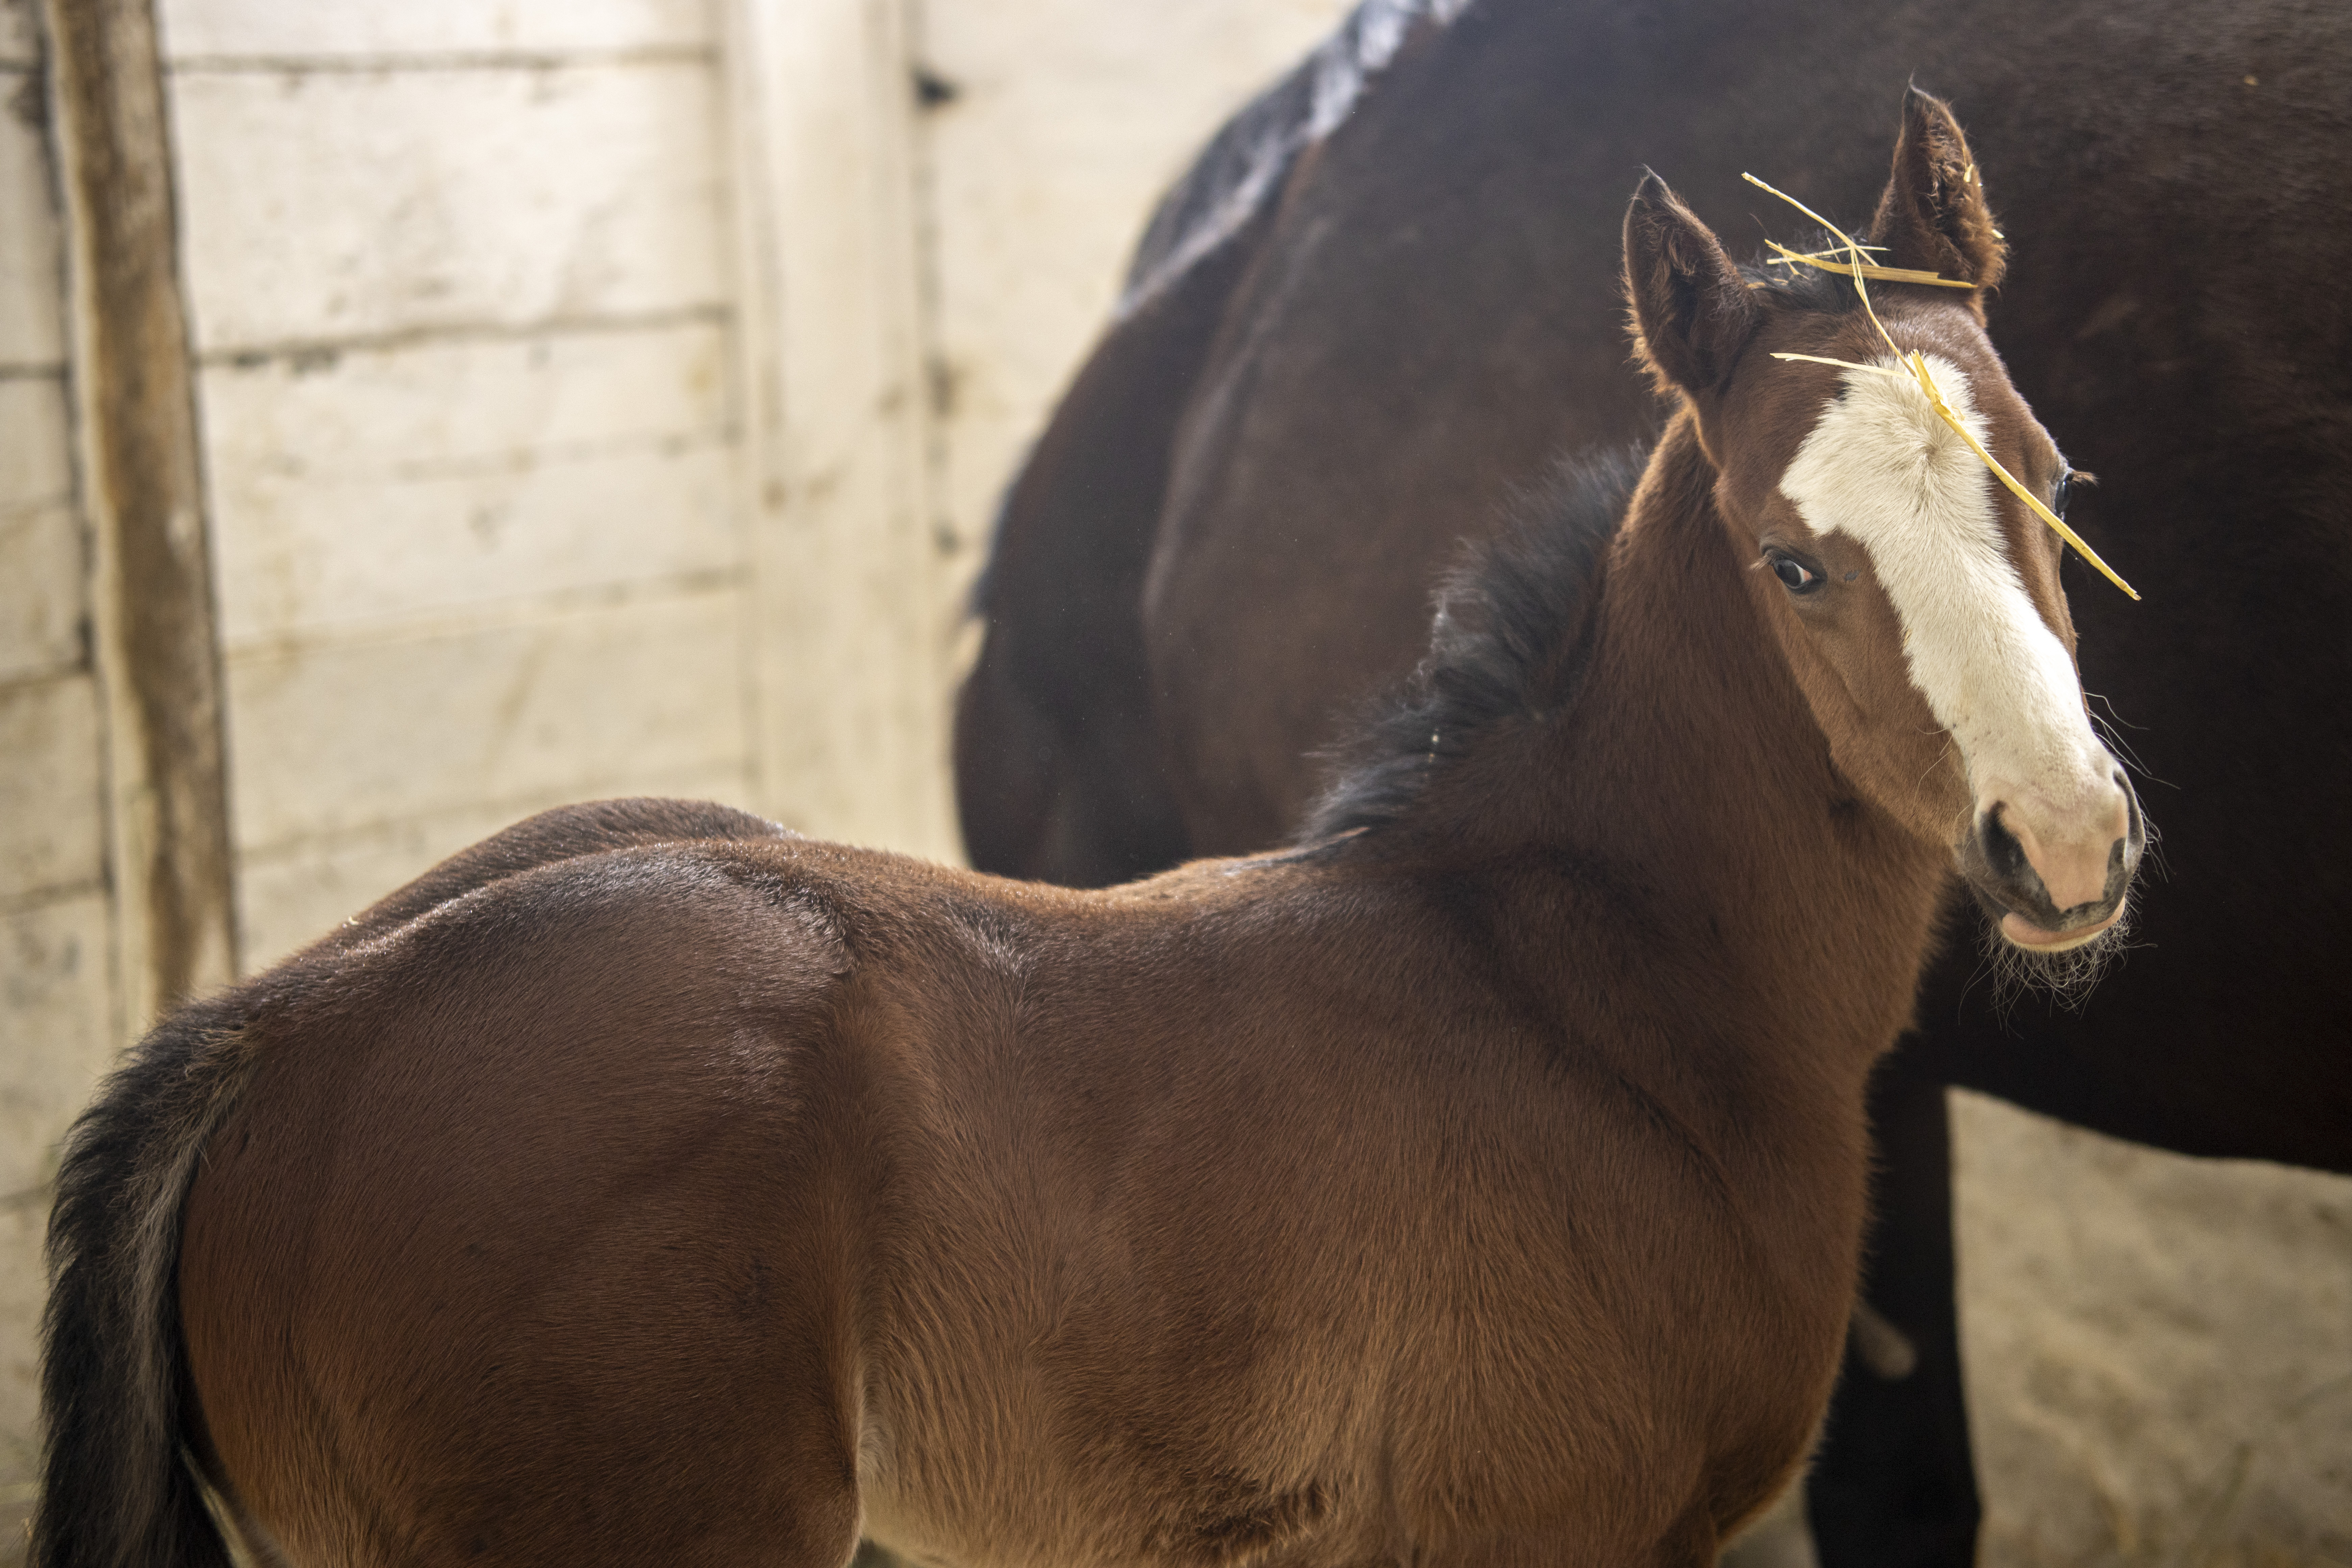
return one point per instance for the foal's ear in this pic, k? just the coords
(1933, 215)
(1692, 312)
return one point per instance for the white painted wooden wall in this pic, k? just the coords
(612, 396)
(59, 1016)
(460, 293)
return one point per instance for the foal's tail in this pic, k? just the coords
(121, 1488)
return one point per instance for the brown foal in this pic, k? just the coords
(1479, 1183)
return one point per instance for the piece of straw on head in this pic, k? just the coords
(1789, 257)
(1859, 267)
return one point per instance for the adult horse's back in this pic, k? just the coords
(1422, 307)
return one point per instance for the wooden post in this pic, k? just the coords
(850, 648)
(141, 484)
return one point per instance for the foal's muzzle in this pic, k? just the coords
(2012, 871)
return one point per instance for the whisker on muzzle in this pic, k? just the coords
(2066, 977)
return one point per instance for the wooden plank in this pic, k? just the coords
(32, 275)
(56, 1038)
(303, 558)
(37, 459)
(55, 955)
(57, 1023)
(332, 207)
(19, 34)
(142, 490)
(271, 27)
(52, 789)
(365, 486)
(41, 565)
(334, 737)
(847, 662)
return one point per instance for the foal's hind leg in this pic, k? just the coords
(570, 1455)
(644, 1405)
(565, 1362)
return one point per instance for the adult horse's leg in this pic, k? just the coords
(1891, 1482)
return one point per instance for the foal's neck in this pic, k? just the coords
(1689, 794)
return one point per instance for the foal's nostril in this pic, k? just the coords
(2002, 852)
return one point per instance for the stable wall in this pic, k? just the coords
(60, 1018)
(459, 290)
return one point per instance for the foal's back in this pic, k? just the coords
(1169, 1223)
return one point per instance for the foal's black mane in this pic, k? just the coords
(1504, 645)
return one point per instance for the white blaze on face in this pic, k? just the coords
(1883, 469)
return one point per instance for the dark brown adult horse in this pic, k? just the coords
(1345, 348)
(1481, 1184)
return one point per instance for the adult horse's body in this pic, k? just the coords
(1344, 351)
(1479, 1185)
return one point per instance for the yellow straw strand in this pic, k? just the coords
(1918, 363)
(1814, 255)
(1845, 239)
(1867, 270)
(1847, 365)
(1918, 366)
(1885, 273)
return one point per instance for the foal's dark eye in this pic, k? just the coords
(2060, 491)
(1794, 574)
